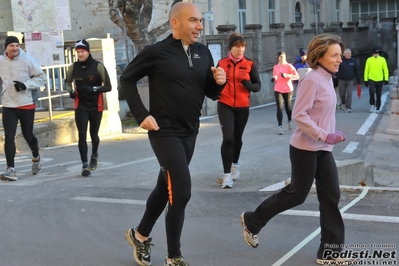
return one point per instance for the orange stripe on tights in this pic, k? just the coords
(170, 189)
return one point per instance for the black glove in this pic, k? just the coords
(385, 82)
(247, 84)
(273, 80)
(19, 86)
(282, 75)
(72, 94)
(90, 89)
(366, 83)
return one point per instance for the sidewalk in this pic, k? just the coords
(383, 153)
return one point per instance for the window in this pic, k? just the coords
(337, 8)
(298, 14)
(272, 12)
(374, 8)
(242, 9)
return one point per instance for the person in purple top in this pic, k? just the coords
(311, 152)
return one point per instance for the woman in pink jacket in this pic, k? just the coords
(283, 75)
(311, 153)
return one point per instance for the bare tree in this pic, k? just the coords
(135, 16)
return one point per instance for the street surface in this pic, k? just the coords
(59, 218)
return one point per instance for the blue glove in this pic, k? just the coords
(273, 80)
(19, 86)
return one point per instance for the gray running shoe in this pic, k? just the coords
(178, 261)
(93, 162)
(250, 239)
(235, 171)
(227, 181)
(9, 174)
(141, 250)
(280, 130)
(36, 166)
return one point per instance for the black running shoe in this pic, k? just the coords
(93, 162)
(86, 171)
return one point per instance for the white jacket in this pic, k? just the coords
(25, 69)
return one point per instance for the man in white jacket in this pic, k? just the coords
(20, 79)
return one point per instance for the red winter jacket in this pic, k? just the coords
(235, 94)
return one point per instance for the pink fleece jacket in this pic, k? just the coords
(314, 111)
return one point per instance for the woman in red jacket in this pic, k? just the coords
(233, 105)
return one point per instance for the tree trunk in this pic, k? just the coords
(135, 16)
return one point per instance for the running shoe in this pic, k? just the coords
(93, 162)
(86, 170)
(178, 261)
(227, 181)
(235, 171)
(36, 166)
(250, 239)
(141, 249)
(280, 130)
(9, 174)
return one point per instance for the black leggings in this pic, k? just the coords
(375, 91)
(10, 122)
(173, 188)
(82, 119)
(286, 99)
(232, 122)
(305, 167)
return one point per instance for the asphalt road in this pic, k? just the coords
(60, 218)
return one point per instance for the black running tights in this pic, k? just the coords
(232, 122)
(10, 122)
(82, 119)
(173, 189)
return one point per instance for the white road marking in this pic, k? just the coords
(370, 120)
(317, 231)
(109, 200)
(351, 147)
(69, 172)
(347, 216)
(274, 187)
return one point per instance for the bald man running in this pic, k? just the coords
(181, 73)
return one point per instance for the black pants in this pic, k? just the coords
(286, 99)
(375, 88)
(10, 122)
(82, 119)
(307, 166)
(173, 189)
(232, 122)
